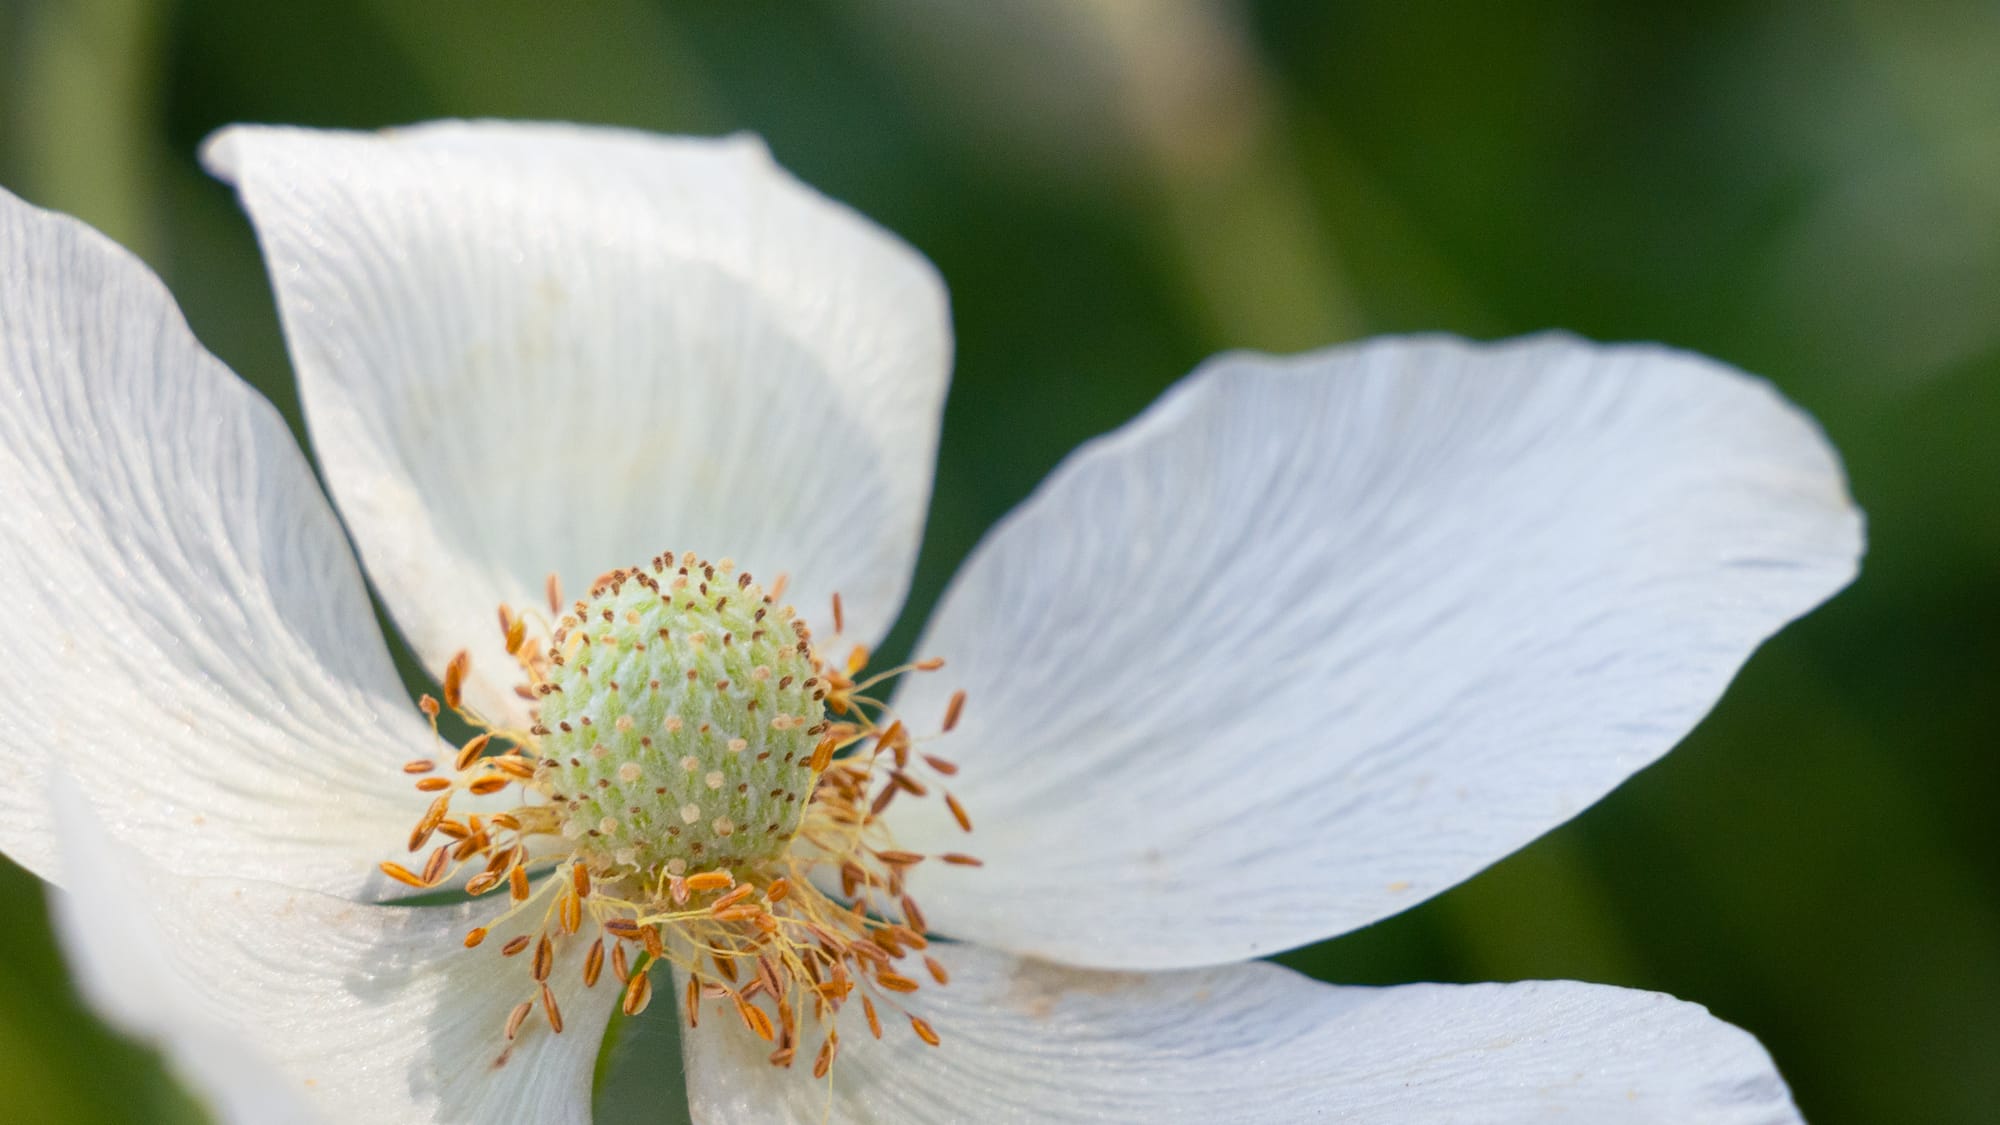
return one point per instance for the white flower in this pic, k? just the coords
(1309, 641)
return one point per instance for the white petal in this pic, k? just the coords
(1314, 639)
(282, 1005)
(126, 970)
(527, 349)
(187, 631)
(1024, 1041)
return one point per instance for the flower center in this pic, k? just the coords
(678, 724)
(692, 773)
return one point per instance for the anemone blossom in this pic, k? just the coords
(1310, 640)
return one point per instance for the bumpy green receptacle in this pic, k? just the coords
(683, 727)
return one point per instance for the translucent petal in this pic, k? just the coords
(1316, 638)
(281, 1005)
(1024, 1041)
(535, 349)
(189, 634)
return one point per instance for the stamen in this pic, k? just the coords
(454, 679)
(516, 1017)
(755, 1019)
(638, 993)
(874, 1021)
(556, 1024)
(471, 751)
(434, 867)
(824, 1062)
(958, 813)
(402, 874)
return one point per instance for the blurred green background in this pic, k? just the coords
(1810, 190)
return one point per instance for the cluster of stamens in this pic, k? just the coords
(689, 764)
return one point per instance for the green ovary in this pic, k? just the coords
(680, 722)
